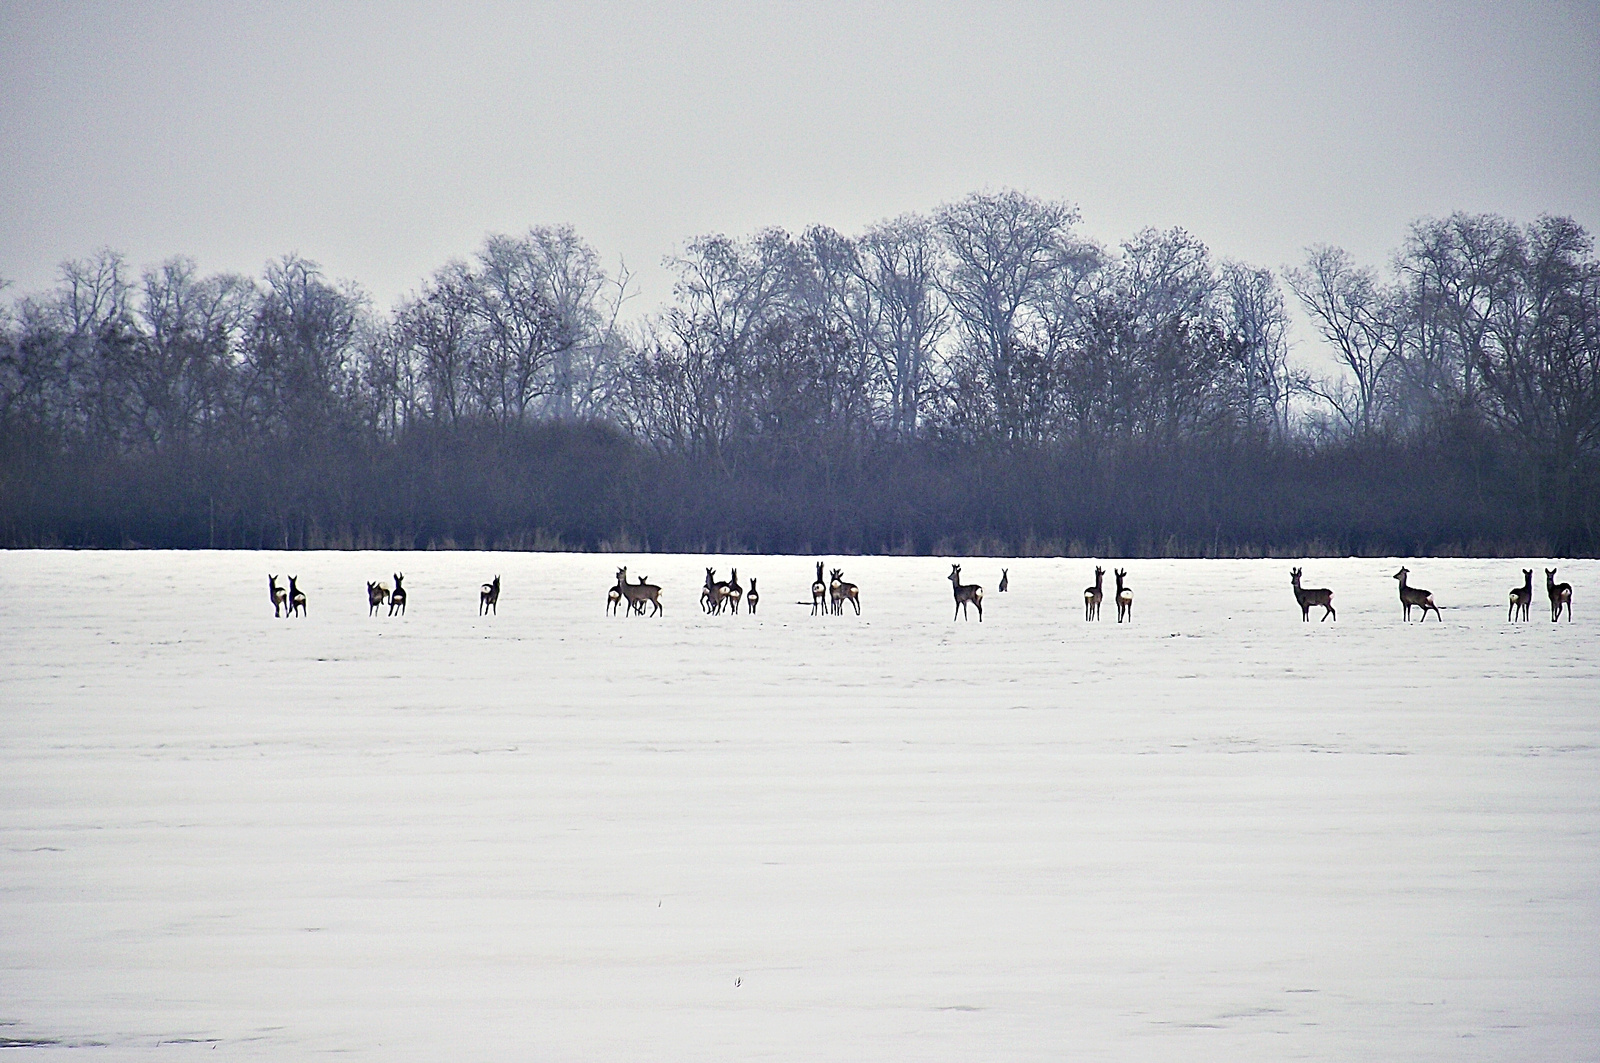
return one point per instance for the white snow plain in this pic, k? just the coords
(1216, 832)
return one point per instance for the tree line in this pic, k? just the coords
(983, 377)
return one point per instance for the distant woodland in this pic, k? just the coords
(981, 379)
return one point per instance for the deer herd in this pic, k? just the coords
(829, 596)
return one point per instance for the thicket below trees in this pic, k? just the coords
(981, 379)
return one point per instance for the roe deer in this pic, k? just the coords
(842, 592)
(1521, 597)
(1005, 579)
(489, 597)
(1093, 595)
(735, 592)
(1314, 596)
(1410, 596)
(1124, 597)
(377, 594)
(613, 597)
(1560, 595)
(638, 593)
(280, 597)
(965, 593)
(397, 597)
(753, 597)
(819, 593)
(715, 594)
(297, 599)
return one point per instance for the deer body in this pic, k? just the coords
(966, 594)
(280, 597)
(1560, 596)
(1005, 579)
(1124, 597)
(297, 599)
(1521, 597)
(397, 598)
(377, 594)
(715, 594)
(1312, 596)
(841, 592)
(638, 593)
(819, 593)
(1092, 596)
(489, 597)
(753, 597)
(613, 599)
(735, 592)
(1410, 596)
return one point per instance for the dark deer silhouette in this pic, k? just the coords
(613, 599)
(715, 593)
(1005, 579)
(1410, 596)
(735, 592)
(1521, 597)
(1560, 595)
(1307, 597)
(840, 592)
(1124, 597)
(297, 599)
(966, 593)
(638, 593)
(280, 597)
(489, 597)
(1092, 596)
(397, 597)
(819, 593)
(377, 594)
(753, 597)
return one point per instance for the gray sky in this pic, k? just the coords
(382, 139)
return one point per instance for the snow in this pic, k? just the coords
(1215, 832)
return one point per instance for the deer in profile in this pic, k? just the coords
(280, 597)
(397, 597)
(489, 597)
(1307, 597)
(841, 591)
(1560, 595)
(735, 592)
(377, 594)
(819, 593)
(1521, 597)
(1092, 596)
(297, 599)
(715, 593)
(1124, 597)
(638, 593)
(1410, 596)
(1005, 579)
(966, 593)
(753, 597)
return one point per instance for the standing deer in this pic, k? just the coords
(297, 599)
(613, 598)
(397, 598)
(735, 592)
(965, 593)
(1005, 579)
(819, 593)
(280, 597)
(1124, 597)
(489, 597)
(1093, 595)
(1521, 597)
(1560, 595)
(753, 597)
(1410, 596)
(377, 594)
(842, 592)
(715, 594)
(1314, 596)
(638, 593)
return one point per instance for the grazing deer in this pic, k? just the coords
(1521, 597)
(819, 593)
(841, 592)
(1314, 596)
(1124, 597)
(1092, 595)
(1005, 579)
(397, 597)
(280, 597)
(1410, 596)
(1560, 595)
(753, 597)
(489, 597)
(377, 594)
(638, 593)
(965, 593)
(735, 592)
(297, 599)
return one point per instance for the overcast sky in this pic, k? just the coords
(383, 139)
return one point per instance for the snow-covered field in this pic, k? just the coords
(1214, 833)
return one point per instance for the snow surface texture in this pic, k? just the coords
(1214, 833)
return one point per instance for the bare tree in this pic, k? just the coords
(1365, 323)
